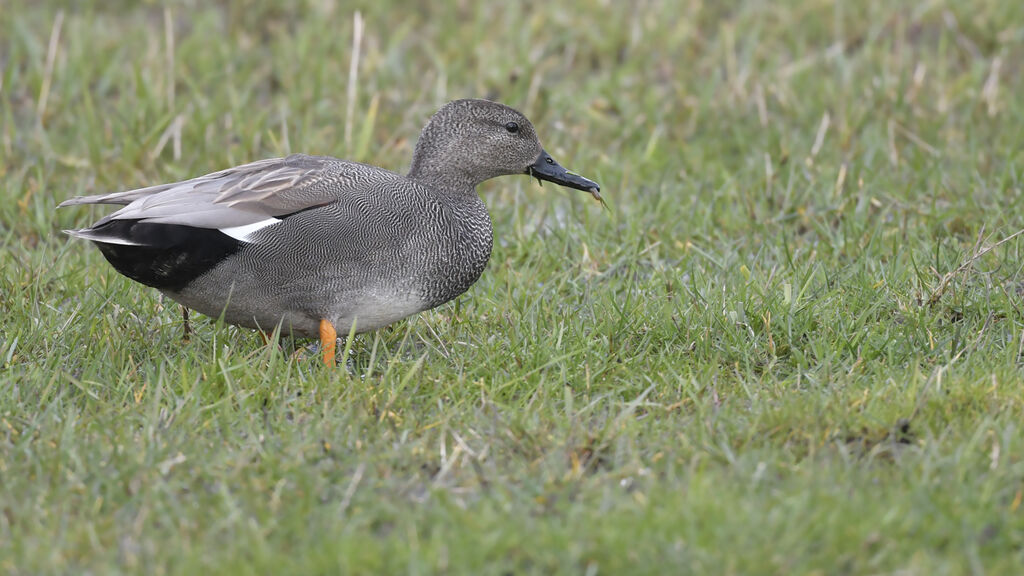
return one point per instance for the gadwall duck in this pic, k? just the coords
(315, 244)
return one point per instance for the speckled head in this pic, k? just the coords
(469, 141)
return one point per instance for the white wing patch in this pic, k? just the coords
(245, 232)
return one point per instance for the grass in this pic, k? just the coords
(792, 346)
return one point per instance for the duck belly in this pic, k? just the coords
(298, 304)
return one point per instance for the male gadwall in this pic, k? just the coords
(315, 244)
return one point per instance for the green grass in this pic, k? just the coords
(768, 357)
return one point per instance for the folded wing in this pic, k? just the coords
(238, 198)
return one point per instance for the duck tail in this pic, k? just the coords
(101, 237)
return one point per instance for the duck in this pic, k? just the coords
(316, 245)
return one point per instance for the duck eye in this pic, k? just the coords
(512, 127)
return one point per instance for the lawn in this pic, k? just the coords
(793, 344)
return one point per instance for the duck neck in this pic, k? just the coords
(432, 166)
(445, 180)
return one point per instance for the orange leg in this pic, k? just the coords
(328, 339)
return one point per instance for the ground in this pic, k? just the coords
(792, 344)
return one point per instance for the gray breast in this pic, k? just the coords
(464, 242)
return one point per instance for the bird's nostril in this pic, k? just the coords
(549, 160)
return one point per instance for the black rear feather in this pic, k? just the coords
(170, 257)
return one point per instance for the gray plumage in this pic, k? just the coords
(310, 238)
